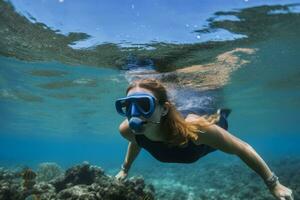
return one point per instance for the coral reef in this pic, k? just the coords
(224, 178)
(82, 181)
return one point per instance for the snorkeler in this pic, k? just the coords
(153, 123)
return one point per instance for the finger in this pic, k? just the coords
(290, 197)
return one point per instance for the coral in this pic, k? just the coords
(48, 171)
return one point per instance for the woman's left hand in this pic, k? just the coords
(281, 192)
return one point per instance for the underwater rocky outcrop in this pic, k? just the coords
(82, 181)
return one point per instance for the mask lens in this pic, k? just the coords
(125, 106)
(136, 105)
(144, 104)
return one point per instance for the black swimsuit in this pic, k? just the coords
(187, 154)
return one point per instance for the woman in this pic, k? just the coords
(153, 123)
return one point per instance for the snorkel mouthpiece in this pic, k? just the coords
(136, 124)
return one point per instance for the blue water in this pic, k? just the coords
(55, 111)
(39, 125)
(84, 125)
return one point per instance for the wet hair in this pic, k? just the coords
(176, 130)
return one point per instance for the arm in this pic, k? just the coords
(132, 152)
(133, 149)
(219, 138)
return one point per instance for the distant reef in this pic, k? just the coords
(30, 40)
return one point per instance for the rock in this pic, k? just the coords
(77, 192)
(80, 174)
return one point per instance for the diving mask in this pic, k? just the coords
(134, 106)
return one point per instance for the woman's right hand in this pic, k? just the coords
(121, 175)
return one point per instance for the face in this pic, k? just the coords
(159, 110)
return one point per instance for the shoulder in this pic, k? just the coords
(195, 118)
(192, 117)
(205, 135)
(126, 132)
